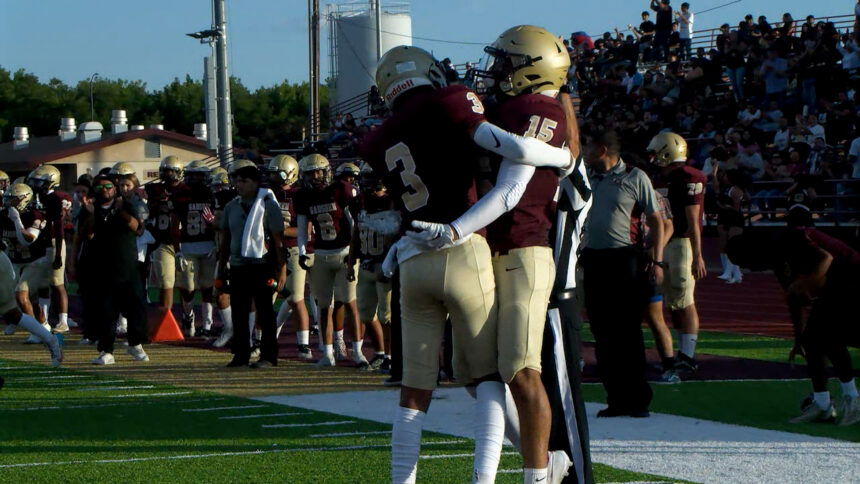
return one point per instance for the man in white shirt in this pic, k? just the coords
(782, 138)
(814, 130)
(685, 27)
(854, 155)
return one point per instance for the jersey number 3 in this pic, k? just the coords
(415, 194)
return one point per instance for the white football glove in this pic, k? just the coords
(431, 235)
(181, 262)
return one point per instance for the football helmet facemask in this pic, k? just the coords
(170, 169)
(309, 165)
(19, 196)
(406, 67)
(285, 167)
(667, 148)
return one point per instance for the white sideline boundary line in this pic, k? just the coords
(214, 409)
(30, 409)
(108, 389)
(105, 382)
(219, 454)
(315, 424)
(53, 377)
(261, 415)
(133, 395)
(347, 434)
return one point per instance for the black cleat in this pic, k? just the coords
(685, 365)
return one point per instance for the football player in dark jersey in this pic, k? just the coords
(222, 194)
(21, 227)
(164, 225)
(377, 228)
(283, 172)
(346, 173)
(195, 249)
(427, 153)
(684, 187)
(55, 205)
(328, 206)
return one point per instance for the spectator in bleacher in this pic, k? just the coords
(773, 71)
(764, 27)
(685, 20)
(450, 73)
(749, 160)
(788, 27)
(854, 155)
(663, 27)
(751, 114)
(769, 122)
(850, 53)
(645, 35)
(811, 128)
(782, 137)
(734, 57)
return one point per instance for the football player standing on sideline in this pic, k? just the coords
(684, 187)
(222, 194)
(615, 272)
(164, 225)
(427, 153)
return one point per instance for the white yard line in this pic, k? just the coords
(348, 434)
(262, 415)
(105, 382)
(124, 404)
(107, 389)
(215, 409)
(315, 424)
(13, 379)
(132, 395)
(666, 445)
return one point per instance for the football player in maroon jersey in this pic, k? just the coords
(164, 225)
(55, 205)
(327, 206)
(222, 194)
(684, 187)
(283, 172)
(195, 249)
(378, 225)
(427, 151)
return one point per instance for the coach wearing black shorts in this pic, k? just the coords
(615, 272)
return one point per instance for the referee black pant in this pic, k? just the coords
(615, 302)
(249, 283)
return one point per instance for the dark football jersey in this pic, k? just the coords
(195, 209)
(529, 223)
(18, 252)
(161, 207)
(55, 206)
(684, 186)
(326, 210)
(373, 246)
(427, 155)
(222, 198)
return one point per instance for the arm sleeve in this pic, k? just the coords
(302, 235)
(511, 184)
(520, 149)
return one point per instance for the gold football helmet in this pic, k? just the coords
(667, 148)
(122, 168)
(526, 59)
(170, 163)
(312, 163)
(4, 180)
(286, 167)
(19, 195)
(347, 169)
(197, 166)
(405, 67)
(46, 177)
(239, 164)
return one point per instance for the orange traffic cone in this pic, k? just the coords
(167, 330)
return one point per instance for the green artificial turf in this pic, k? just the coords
(62, 422)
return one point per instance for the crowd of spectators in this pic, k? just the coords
(778, 102)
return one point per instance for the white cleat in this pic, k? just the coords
(10, 329)
(61, 328)
(359, 360)
(222, 340)
(305, 354)
(325, 361)
(137, 353)
(340, 352)
(104, 359)
(849, 411)
(814, 413)
(558, 466)
(56, 351)
(725, 276)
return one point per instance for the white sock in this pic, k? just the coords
(724, 260)
(258, 334)
(849, 389)
(329, 351)
(207, 316)
(356, 346)
(736, 272)
(63, 318)
(37, 329)
(226, 319)
(380, 354)
(405, 444)
(688, 344)
(122, 322)
(44, 306)
(534, 476)
(303, 337)
(489, 430)
(822, 399)
(252, 319)
(512, 419)
(338, 335)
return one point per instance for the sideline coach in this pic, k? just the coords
(615, 272)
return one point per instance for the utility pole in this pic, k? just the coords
(376, 5)
(222, 83)
(314, 68)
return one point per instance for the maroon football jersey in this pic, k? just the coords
(373, 246)
(18, 252)
(161, 207)
(195, 209)
(426, 153)
(529, 223)
(55, 206)
(684, 186)
(326, 210)
(285, 201)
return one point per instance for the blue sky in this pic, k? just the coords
(145, 40)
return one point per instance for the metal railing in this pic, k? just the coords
(707, 38)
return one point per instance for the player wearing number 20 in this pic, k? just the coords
(326, 205)
(164, 225)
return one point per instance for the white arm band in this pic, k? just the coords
(510, 186)
(520, 149)
(302, 235)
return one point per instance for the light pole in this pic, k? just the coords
(92, 106)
